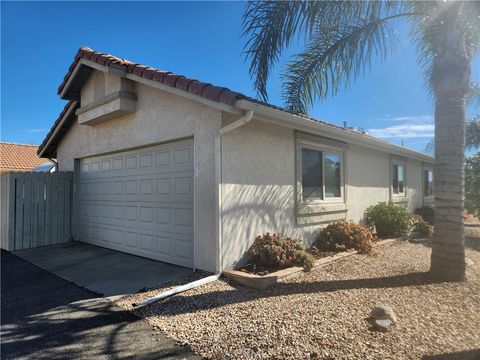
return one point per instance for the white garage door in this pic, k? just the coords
(140, 201)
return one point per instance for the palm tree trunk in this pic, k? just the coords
(448, 253)
(450, 78)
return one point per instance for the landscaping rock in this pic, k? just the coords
(383, 312)
(318, 314)
(382, 325)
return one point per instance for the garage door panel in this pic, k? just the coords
(141, 202)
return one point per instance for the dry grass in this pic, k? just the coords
(321, 314)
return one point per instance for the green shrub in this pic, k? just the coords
(272, 252)
(427, 213)
(389, 220)
(343, 235)
(420, 228)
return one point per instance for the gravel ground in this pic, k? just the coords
(322, 314)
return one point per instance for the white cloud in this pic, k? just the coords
(411, 130)
(36, 130)
(410, 119)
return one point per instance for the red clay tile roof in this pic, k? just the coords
(19, 157)
(193, 86)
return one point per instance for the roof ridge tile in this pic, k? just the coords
(181, 82)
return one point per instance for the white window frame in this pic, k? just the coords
(403, 163)
(323, 149)
(427, 168)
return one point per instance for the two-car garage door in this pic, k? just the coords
(140, 202)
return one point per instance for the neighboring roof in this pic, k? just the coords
(19, 157)
(193, 86)
(77, 74)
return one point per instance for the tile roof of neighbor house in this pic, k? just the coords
(193, 86)
(19, 157)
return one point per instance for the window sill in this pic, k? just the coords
(399, 199)
(323, 207)
(311, 214)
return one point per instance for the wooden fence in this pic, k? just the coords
(36, 209)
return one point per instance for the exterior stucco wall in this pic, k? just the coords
(414, 184)
(160, 117)
(368, 180)
(258, 190)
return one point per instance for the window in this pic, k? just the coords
(428, 182)
(321, 174)
(398, 178)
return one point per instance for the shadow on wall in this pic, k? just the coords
(252, 210)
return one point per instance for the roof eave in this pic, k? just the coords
(299, 122)
(44, 150)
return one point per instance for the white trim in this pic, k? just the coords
(400, 196)
(325, 205)
(323, 150)
(427, 168)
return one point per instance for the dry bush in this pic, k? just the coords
(272, 252)
(343, 235)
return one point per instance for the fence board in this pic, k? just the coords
(54, 219)
(41, 210)
(27, 210)
(68, 206)
(34, 211)
(60, 208)
(19, 212)
(48, 210)
(11, 212)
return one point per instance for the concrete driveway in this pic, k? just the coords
(107, 272)
(46, 317)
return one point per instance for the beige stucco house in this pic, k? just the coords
(177, 170)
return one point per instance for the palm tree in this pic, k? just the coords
(472, 135)
(472, 131)
(472, 126)
(341, 40)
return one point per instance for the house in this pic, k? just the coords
(181, 171)
(19, 157)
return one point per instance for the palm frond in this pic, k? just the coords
(270, 27)
(428, 32)
(472, 131)
(332, 59)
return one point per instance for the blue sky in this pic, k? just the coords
(196, 39)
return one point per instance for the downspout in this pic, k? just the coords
(55, 164)
(245, 118)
